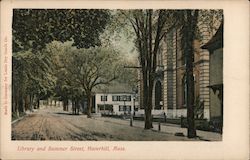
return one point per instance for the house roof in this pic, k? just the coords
(216, 41)
(115, 87)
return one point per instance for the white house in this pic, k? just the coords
(116, 103)
(116, 99)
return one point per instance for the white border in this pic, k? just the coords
(236, 89)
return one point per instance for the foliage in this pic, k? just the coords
(81, 71)
(92, 67)
(32, 77)
(35, 70)
(208, 21)
(38, 72)
(34, 28)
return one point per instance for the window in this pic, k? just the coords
(125, 98)
(121, 98)
(136, 108)
(128, 108)
(124, 108)
(128, 98)
(106, 107)
(104, 98)
(121, 108)
(114, 98)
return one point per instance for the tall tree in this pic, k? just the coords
(90, 68)
(190, 22)
(189, 29)
(150, 27)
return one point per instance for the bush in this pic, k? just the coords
(214, 125)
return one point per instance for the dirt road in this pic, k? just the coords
(55, 124)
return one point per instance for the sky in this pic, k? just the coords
(126, 47)
(122, 39)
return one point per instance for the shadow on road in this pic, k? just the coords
(71, 114)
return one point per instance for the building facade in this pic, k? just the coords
(215, 47)
(117, 103)
(169, 91)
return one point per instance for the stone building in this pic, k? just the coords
(169, 92)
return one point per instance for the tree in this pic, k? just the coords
(32, 74)
(59, 53)
(34, 28)
(150, 27)
(188, 31)
(190, 22)
(79, 72)
(89, 68)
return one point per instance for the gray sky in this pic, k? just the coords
(126, 47)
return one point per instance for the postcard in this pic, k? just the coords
(124, 79)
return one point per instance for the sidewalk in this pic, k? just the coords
(165, 127)
(28, 112)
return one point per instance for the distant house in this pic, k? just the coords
(116, 99)
(215, 47)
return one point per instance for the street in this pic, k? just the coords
(55, 124)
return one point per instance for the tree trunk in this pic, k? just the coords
(26, 106)
(38, 103)
(148, 120)
(147, 99)
(31, 103)
(51, 102)
(16, 104)
(74, 106)
(77, 106)
(189, 32)
(190, 103)
(64, 105)
(20, 105)
(89, 96)
(67, 105)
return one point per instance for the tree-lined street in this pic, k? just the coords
(71, 55)
(51, 123)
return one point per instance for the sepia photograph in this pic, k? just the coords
(117, 75)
